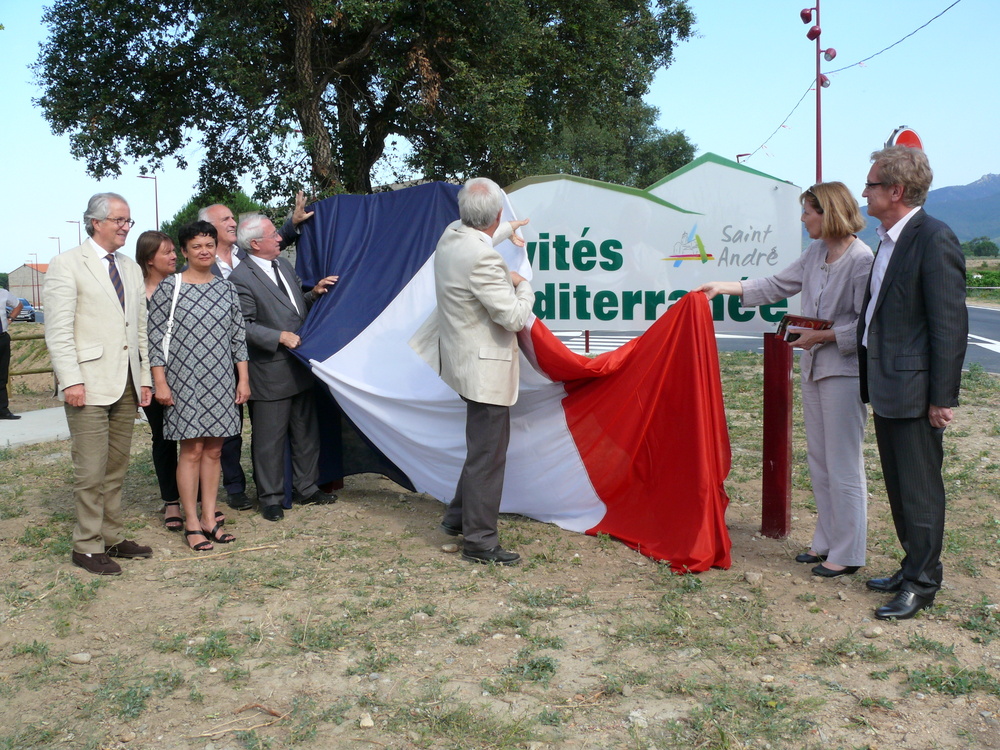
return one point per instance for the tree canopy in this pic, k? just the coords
(980, 247)
(314, 91)
(630, 151)
(237, 202)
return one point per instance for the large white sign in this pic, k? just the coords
(607, 257)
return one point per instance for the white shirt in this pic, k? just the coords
(887, 243)
(225, 267)
(270, 271)
(7, 300)
(102, 253)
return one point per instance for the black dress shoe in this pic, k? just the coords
(447, 528)
(497, 556)
(239, 501)
(318, 498)
(891, 584)
(9, 415)
(903, 606)
(805, 557)
(825, 572)
(272, 512)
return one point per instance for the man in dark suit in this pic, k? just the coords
(912, 335)
(228, 256)
(274, 308)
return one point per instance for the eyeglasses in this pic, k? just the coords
(121, 221)
(869, 185)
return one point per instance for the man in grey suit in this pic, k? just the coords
(481, 307)
(912, 335)
(228, 256)
(274, 308)
(95, 331)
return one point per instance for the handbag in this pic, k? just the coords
(170, 320)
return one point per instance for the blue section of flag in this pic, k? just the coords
(375, 243)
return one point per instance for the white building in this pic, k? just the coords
(26, 282)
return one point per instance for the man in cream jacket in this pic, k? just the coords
(95, 330)
(481, 307)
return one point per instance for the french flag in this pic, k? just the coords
(632, 443)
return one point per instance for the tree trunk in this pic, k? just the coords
(308, 93)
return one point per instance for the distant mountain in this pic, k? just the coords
(970, 210)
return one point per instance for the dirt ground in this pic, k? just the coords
(355, 626)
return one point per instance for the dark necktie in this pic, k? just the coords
(116, 279)
(277, 275)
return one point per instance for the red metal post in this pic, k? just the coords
(586, 342)
(776, 481)
(819, 107)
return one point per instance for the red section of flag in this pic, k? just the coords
(649, 423)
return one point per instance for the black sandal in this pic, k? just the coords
(200, 546)
(220, 517)
(218, 535)
(174, 522)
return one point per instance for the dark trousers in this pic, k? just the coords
(290, 421)
(233, 478)
(912, 453)
(4, 370)
(164, 454)
(477, 498)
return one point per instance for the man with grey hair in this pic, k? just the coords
(227, 256)
(912, 336)
(274, 309)
(95, 330)
(481, 307)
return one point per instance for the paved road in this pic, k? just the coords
(984, 339)
(984, 348)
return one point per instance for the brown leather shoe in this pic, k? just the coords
(128, 549)
(98, 563)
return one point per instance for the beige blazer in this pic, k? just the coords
(471, 342)
(91, 340)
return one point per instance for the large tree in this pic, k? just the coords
(237, 202)
(312, 91)
(628, 151)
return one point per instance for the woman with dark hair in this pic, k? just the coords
(196, 335)
(831, 274)
(155, 254)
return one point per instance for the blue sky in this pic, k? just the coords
(728, 89)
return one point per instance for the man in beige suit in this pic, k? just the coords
(481, 307)
(95, 329)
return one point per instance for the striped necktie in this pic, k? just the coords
(116, 279)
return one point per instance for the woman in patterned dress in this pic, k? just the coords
(193, 375)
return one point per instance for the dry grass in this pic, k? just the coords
(352, 612)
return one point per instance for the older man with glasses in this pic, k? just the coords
(281, 387)
(912, 336)
(95, 329)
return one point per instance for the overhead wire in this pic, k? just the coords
(815, 83)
